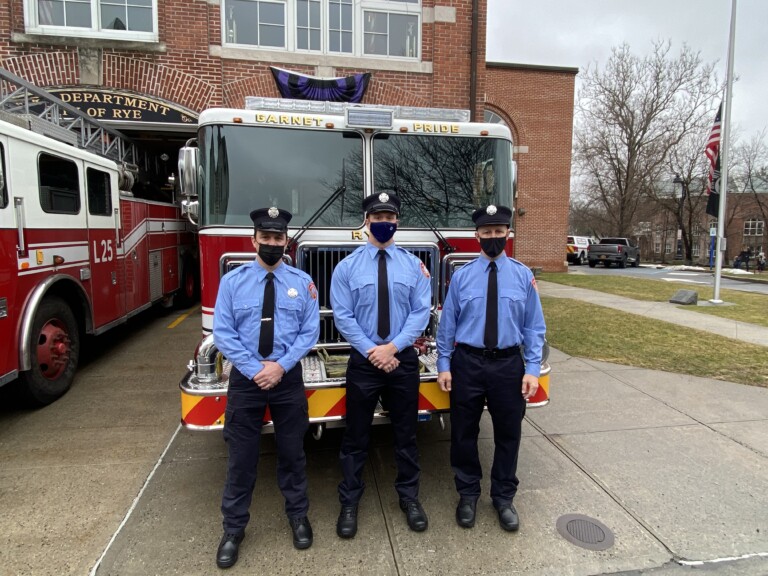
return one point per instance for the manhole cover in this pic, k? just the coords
(585, 532)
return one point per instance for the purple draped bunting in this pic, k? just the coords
(304, 87)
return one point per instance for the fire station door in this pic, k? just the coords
(107, 276)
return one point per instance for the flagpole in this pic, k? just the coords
(724, 159)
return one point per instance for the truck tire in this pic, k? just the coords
(189, 290)
(582, 259)
(636, 263)
(607, 263)
(592, 263)
(55, 346)
(623, 263)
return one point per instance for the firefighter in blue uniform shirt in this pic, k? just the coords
(492, 310)
(381, 298)
(265, 321)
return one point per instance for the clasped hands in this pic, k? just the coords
(270, 375)
(383, 357)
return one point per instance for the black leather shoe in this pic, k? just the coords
(465, 512)
(346, 525)
(226, 555)
(415, 515)
(302, 533)
(508, 518)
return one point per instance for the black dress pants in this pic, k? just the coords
(246, 405)
(399, 391)
(476, 381)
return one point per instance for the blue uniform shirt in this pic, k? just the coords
(237, 316)
(521, 320)
(354, 297)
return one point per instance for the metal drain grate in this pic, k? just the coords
(585, 532)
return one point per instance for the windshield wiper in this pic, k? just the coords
(425, 219)
(321, 210)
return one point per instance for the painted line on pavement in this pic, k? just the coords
(183, 317)
(95, 568)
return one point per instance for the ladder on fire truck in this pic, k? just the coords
(35, 109)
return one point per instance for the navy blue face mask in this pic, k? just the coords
(383, 231)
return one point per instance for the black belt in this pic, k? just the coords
(491, 353)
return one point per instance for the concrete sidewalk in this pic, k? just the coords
(674, 313)
(676, 467)
(100, 483)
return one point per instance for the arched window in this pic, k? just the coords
(489, 116)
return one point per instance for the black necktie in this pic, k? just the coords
(383, 330)
(267, 334)
(492, 309)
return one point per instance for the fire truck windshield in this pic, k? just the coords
(443, 178)
(246, 167)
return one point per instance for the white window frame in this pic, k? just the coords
(657, 247)
(32, 25)
(359, 7)
(324, 26)
(389, 9)
(754, 227)
(289, 35)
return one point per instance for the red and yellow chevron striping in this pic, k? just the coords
(207, 412)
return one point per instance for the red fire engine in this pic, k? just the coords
(318, 160)
(78, 252)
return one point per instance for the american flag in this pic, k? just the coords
(712, 150)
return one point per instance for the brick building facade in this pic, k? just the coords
(188, 55)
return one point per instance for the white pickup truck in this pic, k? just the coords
(619, 251)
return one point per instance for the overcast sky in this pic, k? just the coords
(577, 33)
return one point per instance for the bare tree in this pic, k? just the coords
(684, 198)
(750, 171)
(629, 116)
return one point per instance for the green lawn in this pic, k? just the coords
(746, 307)
(589, 331)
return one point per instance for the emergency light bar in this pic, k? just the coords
(400, 112)
(368, 118)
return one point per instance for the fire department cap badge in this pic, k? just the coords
(273, 212)
(491, 210)
(383, 197)
(292, 292)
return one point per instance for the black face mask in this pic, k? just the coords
(493, 246)
(271, 255)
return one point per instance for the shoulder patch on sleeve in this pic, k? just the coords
(424, 270)
(533, 283)
(312, 290)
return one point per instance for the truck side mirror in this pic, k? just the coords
(188, 165)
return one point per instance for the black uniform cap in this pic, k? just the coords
(492, 215)
(271, 219)
(381, 202)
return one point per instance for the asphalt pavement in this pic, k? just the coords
(675, 467)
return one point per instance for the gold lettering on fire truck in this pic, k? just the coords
(435, 128)
(288, 120)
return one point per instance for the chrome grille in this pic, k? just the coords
(319, 261)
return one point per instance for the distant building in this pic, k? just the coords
(745, 214)
(148, 68)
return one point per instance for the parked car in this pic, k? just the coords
(576, 250)
(619, 251)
